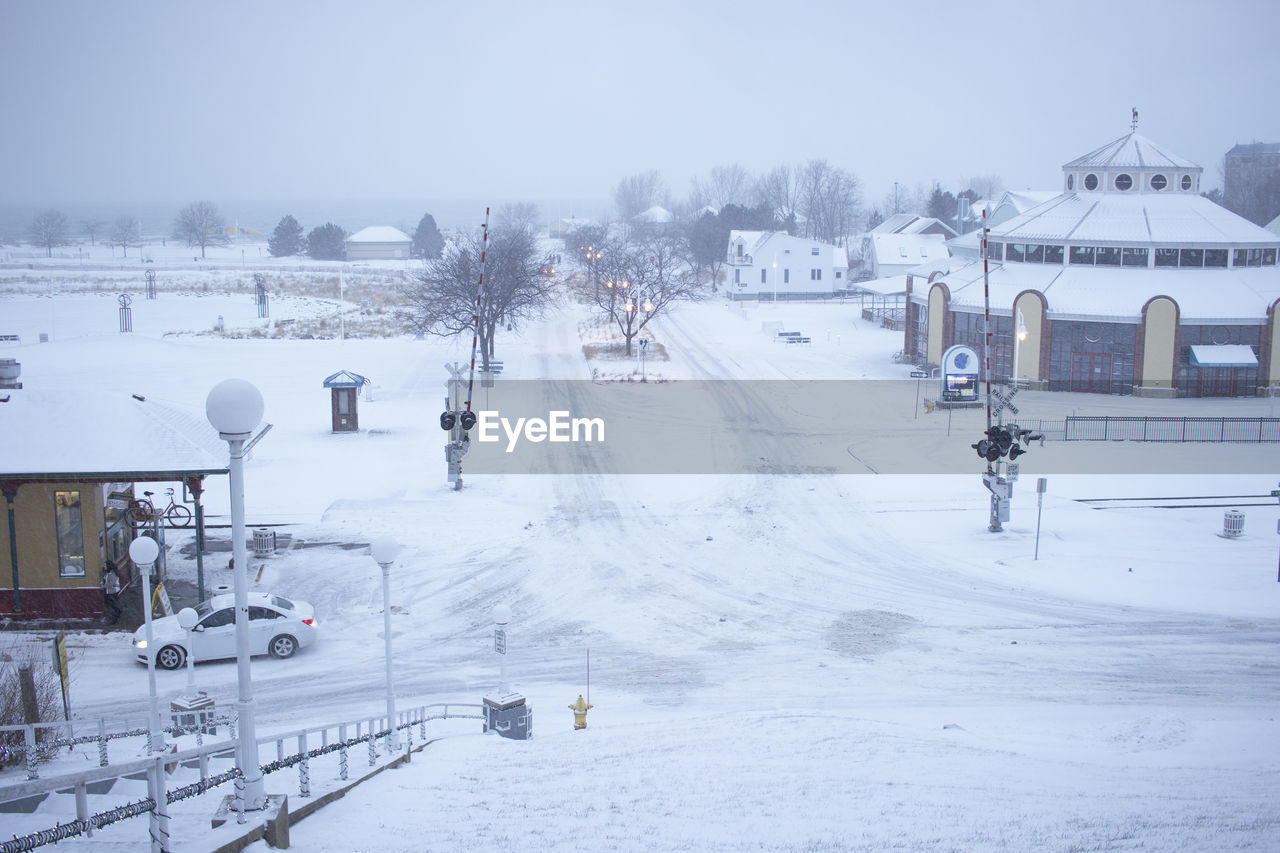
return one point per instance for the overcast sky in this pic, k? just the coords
(124, 100)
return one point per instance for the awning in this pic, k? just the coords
(1228, 355)
(347, 379)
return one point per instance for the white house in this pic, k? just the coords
(378, 242)
(769, 263)
(886, 255)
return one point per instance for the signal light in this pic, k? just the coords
(447, 420)
(467, 419)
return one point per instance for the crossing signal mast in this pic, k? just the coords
(1003, 441)
(458, 418)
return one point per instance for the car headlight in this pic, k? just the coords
(139, 644)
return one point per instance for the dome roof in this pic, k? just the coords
(1132, 151)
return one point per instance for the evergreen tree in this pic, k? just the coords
(427, 242)
(286, 239)
(327, 243)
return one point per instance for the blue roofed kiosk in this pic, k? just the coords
(346, 391)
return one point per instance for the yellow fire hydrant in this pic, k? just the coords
(579, 710)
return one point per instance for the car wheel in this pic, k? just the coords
(171, 657)
(283, 646)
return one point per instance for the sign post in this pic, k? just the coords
(1041, 484)
(917, 375)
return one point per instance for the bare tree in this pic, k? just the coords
(726, 185)
(442, 298)
(48, 228)
(125, 232)
(638, 193)
(643, 277)
(200, 224)
(830, 199)
(521, 215)
(779, 191)
(987, 186)
(92, 227)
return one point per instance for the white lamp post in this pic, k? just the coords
(1017, 345)
(385, 551)
(188, 618)
(143, 551)
(234, 407)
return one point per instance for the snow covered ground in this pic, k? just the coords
(809, 663)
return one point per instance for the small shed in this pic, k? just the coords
(378, 242)
(346, 391)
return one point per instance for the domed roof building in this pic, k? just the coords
(1128, 282)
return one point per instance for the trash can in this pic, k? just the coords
(1232, 523)
(264, 542)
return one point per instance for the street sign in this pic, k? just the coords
(644, 344)
(500, 641)
(919, 374)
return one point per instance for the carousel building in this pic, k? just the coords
(1127, 282)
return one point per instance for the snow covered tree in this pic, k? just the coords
(327, 242)
(442, 298)
(200, 224)
(125, 232)
(642, 278)
(942, 204)
(91, 227)
(427, 242)
(48, 228)
(521, 214)
(635, 194)
(287, 239)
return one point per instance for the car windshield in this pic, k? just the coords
(203, 609)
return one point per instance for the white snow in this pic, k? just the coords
(780, 663)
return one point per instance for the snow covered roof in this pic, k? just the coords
(1223, 355)
(1274, 226)
(908, 248)
(345, 379)
(48, 433)
(379, 234)
(1132, 151)
(887, 286)
(1086, 292)
(656, 214)
(1146, 219)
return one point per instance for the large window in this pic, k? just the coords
(1082, 255)
(1159, 182)
(1191, 258)
(1215, 257)
(1053, 254)
(1124, 182)
(70, 529)
(1268, 257)
(1166, 257)
(1107, 256)
(1014, 252)
(995, 251)
(1134, 257)
(1091, 182)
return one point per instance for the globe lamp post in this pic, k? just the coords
(234, 408)
(143, 551)
(385, 551)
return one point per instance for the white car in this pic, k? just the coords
(277, 626)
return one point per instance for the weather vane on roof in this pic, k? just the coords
(1134, 126)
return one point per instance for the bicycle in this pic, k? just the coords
(142, 510)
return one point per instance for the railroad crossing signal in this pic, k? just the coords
(1006, 401)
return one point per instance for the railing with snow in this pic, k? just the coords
(337, 738)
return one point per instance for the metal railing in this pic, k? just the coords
(367, 732)
(1109, 428)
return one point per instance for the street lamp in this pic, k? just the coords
(187, 619)
(234, 407)
(1017, 345)
(384, 552)
(143, 551)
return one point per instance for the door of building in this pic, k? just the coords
(1091, 372)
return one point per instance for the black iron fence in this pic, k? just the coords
(1096, 428)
